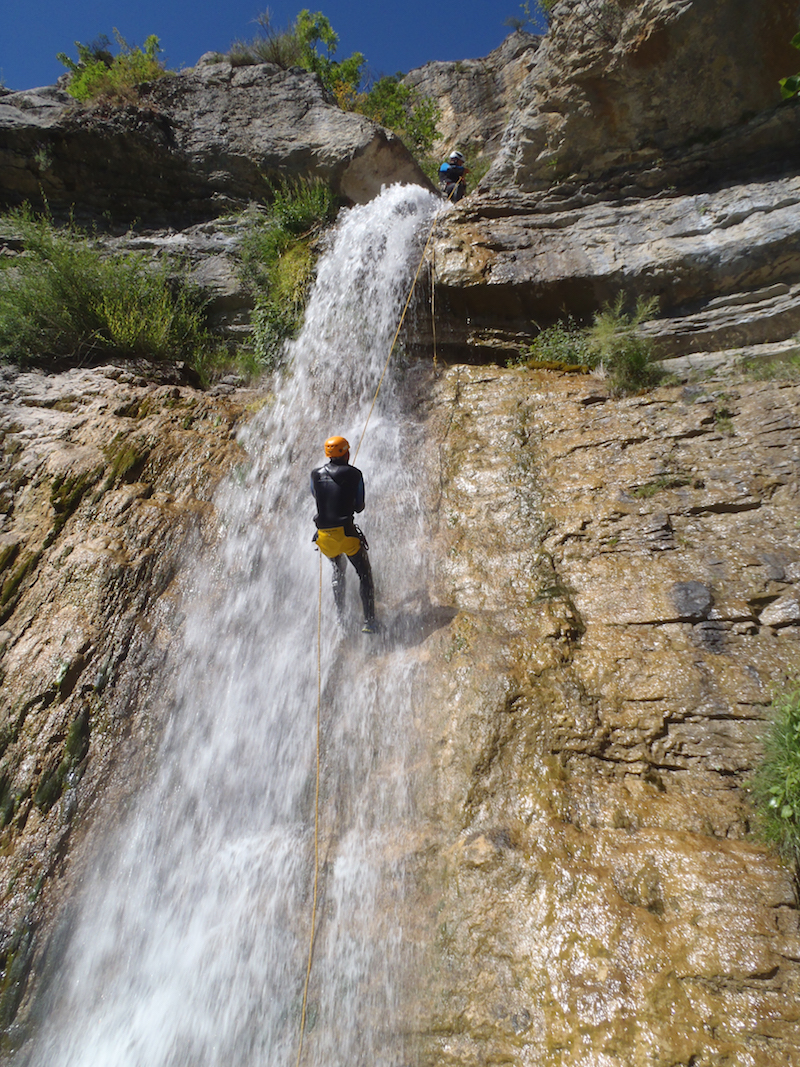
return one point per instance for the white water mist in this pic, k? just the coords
(189, 945)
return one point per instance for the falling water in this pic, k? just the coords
(189, 947)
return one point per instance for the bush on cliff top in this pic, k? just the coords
(62, 298)
(100, 75)
(776, 786)
(309, 42)
(406, 111)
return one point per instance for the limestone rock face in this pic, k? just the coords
(105, 478)
(722, 264)
(477, 96)
(640, 162)
(615, 84)
(200, 141)
(625, 575)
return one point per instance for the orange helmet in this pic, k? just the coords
(336, 447)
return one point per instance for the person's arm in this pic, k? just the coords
(359, 498)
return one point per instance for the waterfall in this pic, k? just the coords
(189, 942)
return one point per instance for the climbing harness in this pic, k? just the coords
(336, 541)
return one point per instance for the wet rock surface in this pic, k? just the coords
(625, 579)
(105, 484)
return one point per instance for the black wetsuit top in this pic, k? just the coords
(338, 489)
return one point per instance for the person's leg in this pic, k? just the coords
(339, 581)
(364, 571)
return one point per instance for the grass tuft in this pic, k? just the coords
(611, 343)
(776, 786)
(277, 263)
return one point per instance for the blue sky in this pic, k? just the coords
(393, 36)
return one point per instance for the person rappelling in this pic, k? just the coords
(338, 490)
(453, 177)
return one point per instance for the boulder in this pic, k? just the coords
(197, 144)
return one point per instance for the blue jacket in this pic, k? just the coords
(449, 172)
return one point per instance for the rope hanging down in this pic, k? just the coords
(304, 1010)
(316, 823)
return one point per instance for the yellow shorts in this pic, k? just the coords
(333, 543)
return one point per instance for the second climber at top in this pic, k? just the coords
(453, 177)
(338, 490)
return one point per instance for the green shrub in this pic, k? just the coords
(564, 342)
(99, 75)
(310, 42)
(62, 298)
(611, 342)
(776, 786)
(412, 115)
(277, 263)
(791, 86)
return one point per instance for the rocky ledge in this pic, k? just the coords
(722, 263)
(198, 143)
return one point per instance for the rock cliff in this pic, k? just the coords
(633, 166)
(477, 96)
(626, 579)
(197, 144)
(623, 576)
(106, 481)
(621, 83)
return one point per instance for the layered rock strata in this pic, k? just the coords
(627, 580)
(648, 155)
(723, 265)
